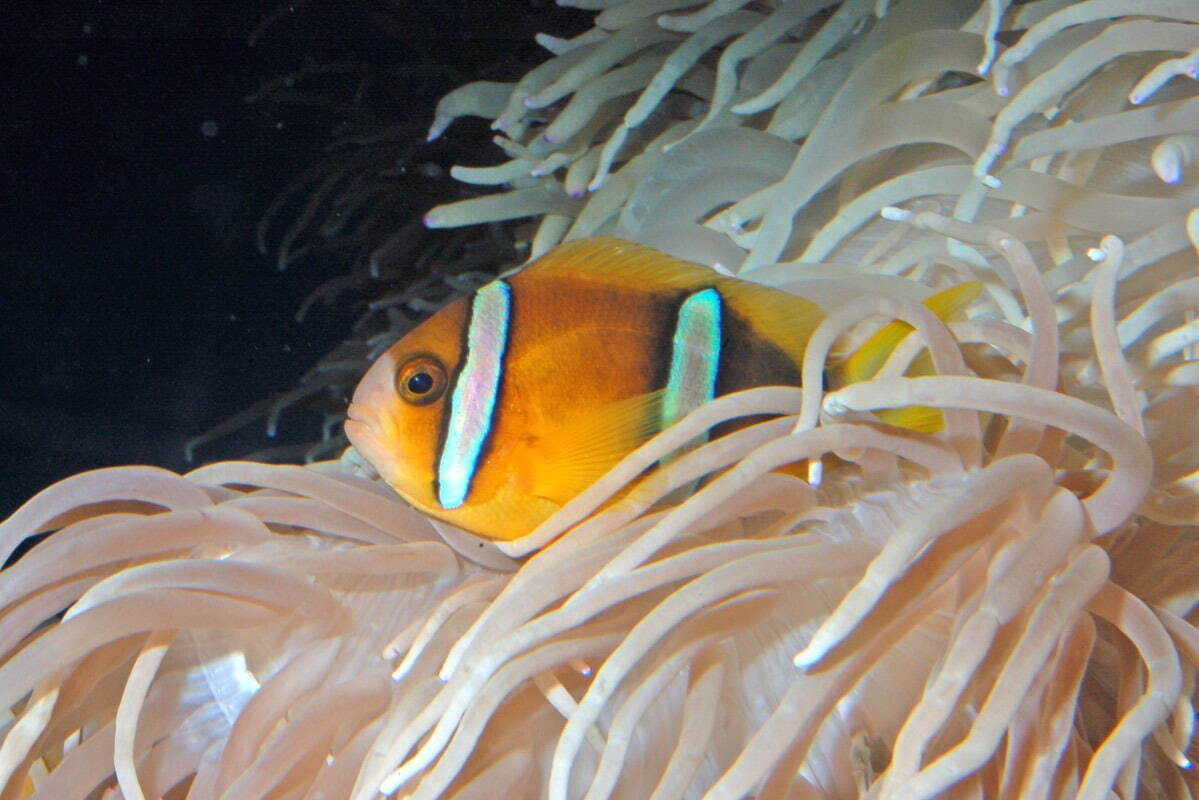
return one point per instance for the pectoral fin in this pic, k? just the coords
(576, 453)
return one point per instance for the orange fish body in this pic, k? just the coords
(504, 405)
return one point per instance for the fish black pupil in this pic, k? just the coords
(420, 383)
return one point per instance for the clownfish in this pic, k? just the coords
(505, 404)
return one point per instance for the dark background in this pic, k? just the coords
(135, 311)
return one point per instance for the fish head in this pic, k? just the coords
(397, 417)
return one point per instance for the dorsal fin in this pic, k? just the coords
(607, 260)
(784, 319)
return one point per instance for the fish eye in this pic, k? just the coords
(420, 380)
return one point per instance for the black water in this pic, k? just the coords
(135, 311)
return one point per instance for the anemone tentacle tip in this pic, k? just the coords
(805, 659)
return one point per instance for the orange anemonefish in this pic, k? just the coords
(504, 405)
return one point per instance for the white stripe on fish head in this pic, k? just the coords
(476, 389)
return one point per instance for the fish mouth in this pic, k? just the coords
(368, 424)
(366, 435)
(361, 428)
(357, 413)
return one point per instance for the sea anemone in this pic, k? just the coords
(1001, 609)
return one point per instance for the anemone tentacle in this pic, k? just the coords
(1004, 608)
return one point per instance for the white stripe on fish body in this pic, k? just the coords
(694, 356)
(476, 389)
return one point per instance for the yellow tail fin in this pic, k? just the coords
(868, 359)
